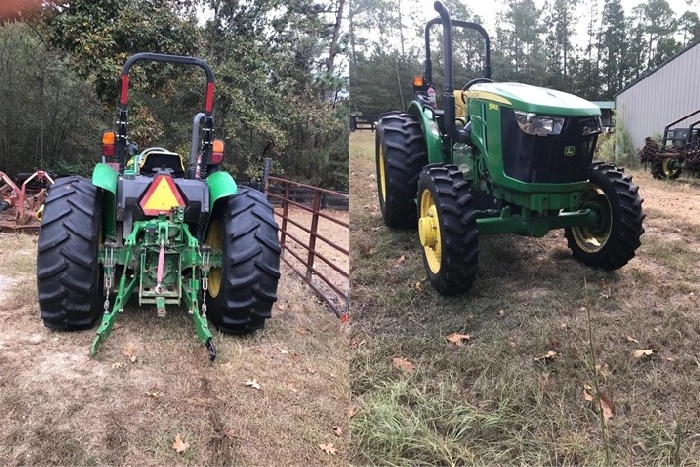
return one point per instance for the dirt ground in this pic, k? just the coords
(333, 232)
(151, 381)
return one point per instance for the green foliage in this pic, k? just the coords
(617, 147)
(48, 117)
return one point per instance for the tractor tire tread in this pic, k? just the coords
(68, 269)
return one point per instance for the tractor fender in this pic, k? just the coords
(104, 176)
(221, 185)
(431, 131)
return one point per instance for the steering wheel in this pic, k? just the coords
(472, 83)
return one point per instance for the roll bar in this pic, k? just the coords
(456, 134)
(123, 108)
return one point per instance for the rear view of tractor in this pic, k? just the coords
(500, 158)
(162, 229)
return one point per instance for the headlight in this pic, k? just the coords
(539, 125)
(592, 126)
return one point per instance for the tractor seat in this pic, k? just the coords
(152, 160)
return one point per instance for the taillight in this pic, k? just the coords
(217, 152)
(108, 140)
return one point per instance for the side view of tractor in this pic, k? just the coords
(21, 200)
(159, 228)
(678, 150)
(500, 158)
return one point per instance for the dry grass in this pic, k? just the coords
(490, 402)
(60, 407)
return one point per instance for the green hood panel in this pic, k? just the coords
(534, 99)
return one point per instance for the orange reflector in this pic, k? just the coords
(217, 146)
(161, 196)
(109, 137)
(418, 81)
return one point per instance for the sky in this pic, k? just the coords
(488, 10)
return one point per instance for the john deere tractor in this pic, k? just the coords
(500, 158)
(162, 229)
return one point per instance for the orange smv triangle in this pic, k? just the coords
(161, 196)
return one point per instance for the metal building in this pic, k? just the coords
(661, 96)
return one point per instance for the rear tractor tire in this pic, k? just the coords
(69, 275)
(447, 229)
(612, 243)
(400, 154)
(240, 295)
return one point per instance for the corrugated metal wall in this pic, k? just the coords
(666, 95)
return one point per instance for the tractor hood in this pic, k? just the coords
(533, 99)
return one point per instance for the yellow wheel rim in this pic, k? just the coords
(215, 241)
(593, 239)
(429, 231)
(668, 171)
(382, 174)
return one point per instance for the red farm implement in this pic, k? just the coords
(21, 199)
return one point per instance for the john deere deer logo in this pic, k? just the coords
(570, 151)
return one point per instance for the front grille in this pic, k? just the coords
(547, 159)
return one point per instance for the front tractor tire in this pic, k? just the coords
(666, 169)
(613, 242)
(400, 154)
(447, 229)
(69, 278)
(241, 293)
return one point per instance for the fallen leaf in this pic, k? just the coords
(403, 364)
(376, 229)
(642, 353)
(284, 351)
(549, 356)
(457, 338)
(117, 365)
(511, 344)
(154, 395)
(587, 396)
(179, 445)
(133, 359)
(328, 448)
(670, 359)
(337, 431)
(501, 312)
(402, 259)
(418, 286)
(253, 384)
(631, 339)
(352, 411)
(129, 350)
(607, 406)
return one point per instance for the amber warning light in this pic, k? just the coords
(217, 151)
(418, 81)
(108, 140)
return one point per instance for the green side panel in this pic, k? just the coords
(105, 177)
(433, 139)
(221, 184)
(534, 99)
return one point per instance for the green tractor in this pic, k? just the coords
(165, 231)
(500, 158)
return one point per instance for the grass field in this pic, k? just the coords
(545, 335)
(152, 381)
